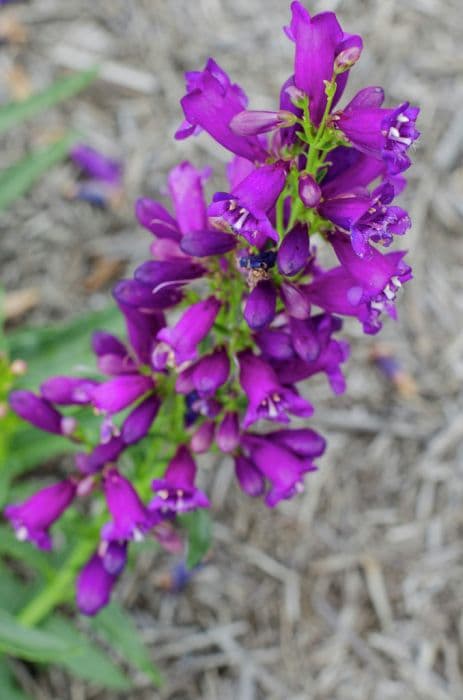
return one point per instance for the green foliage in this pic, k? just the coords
(199, 527)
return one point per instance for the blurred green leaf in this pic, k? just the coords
(16, 112)
(24, 551)
(9, 689)
(88, 660)
(13, 592)
(199, 528)
(31, 644)
(18, 178)
(117, 627)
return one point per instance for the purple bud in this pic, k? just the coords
(94, 585)
(303, 441)
(118, 393)
(296, 302)
(294, 252)
(275, 344)
(260, 306)
(32, 518)
(67, 390)
(194, 324)
(137, 424)
(249, 477)
(130, 517)
(250, 123)
(348, 53)
(132, 293)
(114, 556)
(211, 372)
(309, 191)
(37, 411)
(200, 244)
(201, 440)
(152, 216)
(159, 273)
(107, 344)
(228, 433)
(96, 165)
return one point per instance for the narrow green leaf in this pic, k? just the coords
(31, 644)
(199, 528)
(118, 629)
(16, 112)
(14, 594)
(17, 179)
(88, 661)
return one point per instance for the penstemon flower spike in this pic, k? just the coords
(265, 315)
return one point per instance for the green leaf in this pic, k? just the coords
(24, 551)
(88, 661)
(16, 112)
(31, 644)
(18, 178)
(8, 687)
(199, 528)
(118, 629)
(13, 592)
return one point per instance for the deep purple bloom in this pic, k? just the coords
(249, 477)
(251, 123)
(94, 586)
(276, 344)
(33, 518)
(102, 454)
(293, 252)
(246, 210)
(186, 191)
(296, 302)
(137, 424)
(131, 519)
(39, 412)
(134, 294)
(67, 391)
(268, 399)
(228, 433)
(210, 104)
(282, 467)
(211, 372)
(201, 244)
(260, 307)
(202, 439)
(95, 165)
(118, 393)
(156, 219)
(303, 441)
(176, 491)
(114, 556)
(193, 326)
(158, 274)
(309, 191)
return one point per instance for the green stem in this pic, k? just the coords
(58, 590)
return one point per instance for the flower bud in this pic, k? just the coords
(293, 252)
(309, 191)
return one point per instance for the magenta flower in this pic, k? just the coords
(94, 586)
(40, 413)
(131, 519)
(176, 491)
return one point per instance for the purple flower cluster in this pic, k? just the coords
(257, 308)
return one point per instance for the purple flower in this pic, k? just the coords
(95, 165)
(228, 433)
(114, 556)
(319, 40)
(309, 191)
(210, 104)
(131, 519)
(302, 441)
(210, 372)
(193, 326)
(137, 424)
(158, 274)
(246, 210)
(176, 491)
(94, 586)
(382, 133)
(294, 251)
(268, 399)
(67, 391)
(40, 413)
(281, 467)
(260, 307)
(296, 302)
(118, 393)
(202, 439)
(250, 479)
(201, 244)
(102, 454)
(275, 344)
(33, 518)
(186, 191)
(156, 219)
(251, 123)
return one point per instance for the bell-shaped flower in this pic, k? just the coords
(176, 491)
(130, 518)
(94, 586)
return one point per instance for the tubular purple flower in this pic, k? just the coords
(309, 191)
(296, 302)
(130, 292)
(293, 252)
(176, 491)
(275, 344)
(268, 399)
(304, 442)
(96, 165)
(193, 326)
(186, 191)
(251, 123)
(228, 433)
(249, 477)
(114, 556)
(137, 424)
(211, 105)
(37, 411)
(131, 519)
(158, 274)
(33, 518)
(260, 307)
(156, 219)
(246, 210)
(201, 244)
(67, 391)
(118, 393)
(94, 586)
(202, 439)
(210, 372)
(102, 454)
